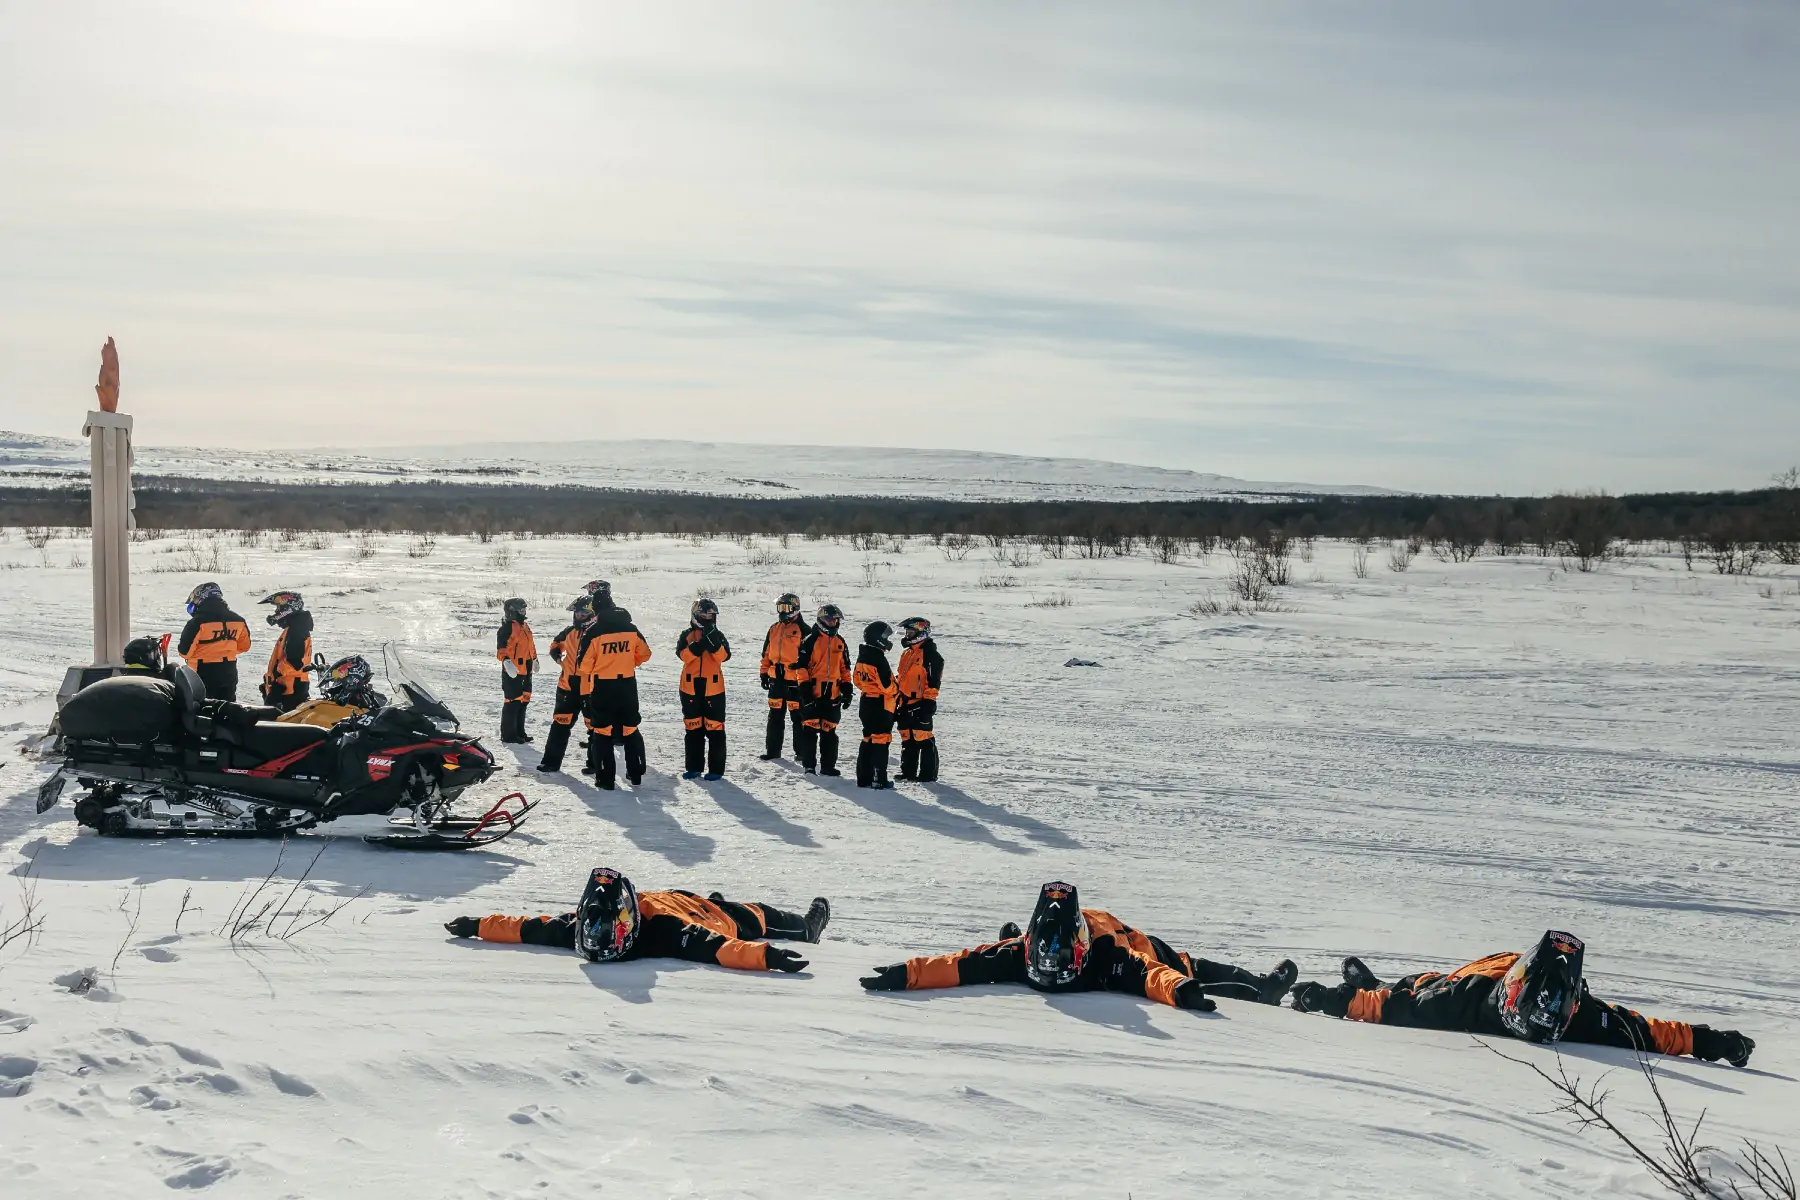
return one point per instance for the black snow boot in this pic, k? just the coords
(880, 755)
(694, 746)
(928, 761)
(817, 917)
(773, 735)
(865, 765)
(1276, 983)
(909, 760)
(828, 752)
(806, 743)
(1358, 975)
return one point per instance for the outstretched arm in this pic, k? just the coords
(996, 962)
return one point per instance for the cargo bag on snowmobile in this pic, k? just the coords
(125, 708)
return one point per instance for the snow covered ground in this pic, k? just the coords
(1418, 768)
(708, 468)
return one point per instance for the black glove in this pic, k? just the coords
(924, 708)
(768, 682)
(1309, 997)
(463, 927)
(778, 959)
(845, 699)
(886, 979)
(1728, 1044)
(1189, 996)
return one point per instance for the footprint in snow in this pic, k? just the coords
(158, 954)
(199, 1172)
(636, 1076)
(197, 1057)
(148, 1097)
(218, 1082)
(12, 1022)
(15, 1075)
(291, 1085)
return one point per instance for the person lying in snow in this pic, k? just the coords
(1539, 996)
(616, 922)
(1068, 948)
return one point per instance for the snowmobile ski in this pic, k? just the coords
(459, 833)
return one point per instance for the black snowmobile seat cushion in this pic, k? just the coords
(125, 708)
(272, 740)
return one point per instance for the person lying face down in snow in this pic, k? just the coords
(616, 922)
(1539, 996)
(1068, 948)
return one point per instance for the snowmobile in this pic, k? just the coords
(154, 757)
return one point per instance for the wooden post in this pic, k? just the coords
(109, 437)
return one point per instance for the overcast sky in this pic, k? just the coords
(1435, 245)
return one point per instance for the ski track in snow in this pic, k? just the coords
(1416, 768)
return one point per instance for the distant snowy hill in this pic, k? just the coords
(703, 467)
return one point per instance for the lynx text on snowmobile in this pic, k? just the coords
(154, 757)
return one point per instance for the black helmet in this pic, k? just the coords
(145, 652)
(1539, 993)
(705, 613)
(880, 635)
(581, 611)
(600, 592)
(829, 618)
(515, 608)
(201, 594)
(788, 607)
(286, 605)
(346, 681)
(1056, 941)
(914, 630)
(606, 924)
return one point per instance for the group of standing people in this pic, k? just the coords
(806, 672)
(215, 637)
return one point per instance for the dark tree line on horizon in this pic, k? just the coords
(1763, 524)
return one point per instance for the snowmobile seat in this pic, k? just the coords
(272, 739)
(190, 694)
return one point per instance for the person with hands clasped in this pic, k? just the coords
(516, 648)
(703, 652)
(823, 674)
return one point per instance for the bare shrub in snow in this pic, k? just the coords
(865, 542)
(363, 544)
(1249, 574)
(1400, 556)
(957, 546)
(1207, 606)
(871, 571)
(1303, 549)
(423, 546)
(39, 537)
(1166, 547)
(1054, 545)
(997, 550)
(1682, 1164)
(764, 556)
(1022, 556)
(1359, 560)
(998, 581)
(500, 558)
(30, 919)
(1053, 600)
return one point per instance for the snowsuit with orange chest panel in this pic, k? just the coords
(1119, 959)
(1466, 1000)
(823, 673)
(565, 652)
(286, 685)
(917, 681)
(515, 644)
(703, 653)
(612, 650)
(211, 642)
(674, 925)
(875, 680)
(780, 661)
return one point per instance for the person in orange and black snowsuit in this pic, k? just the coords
(1539, 996)
(285, 684)
(823, 674)
(611, 651)
(616, 923)
(212, 640)
(516, 648)
(780, 657)
(565, 651)
(1068, 948)
(875, 680)
(921, 673)
(703, 652)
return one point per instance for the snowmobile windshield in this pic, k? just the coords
(410, 690)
